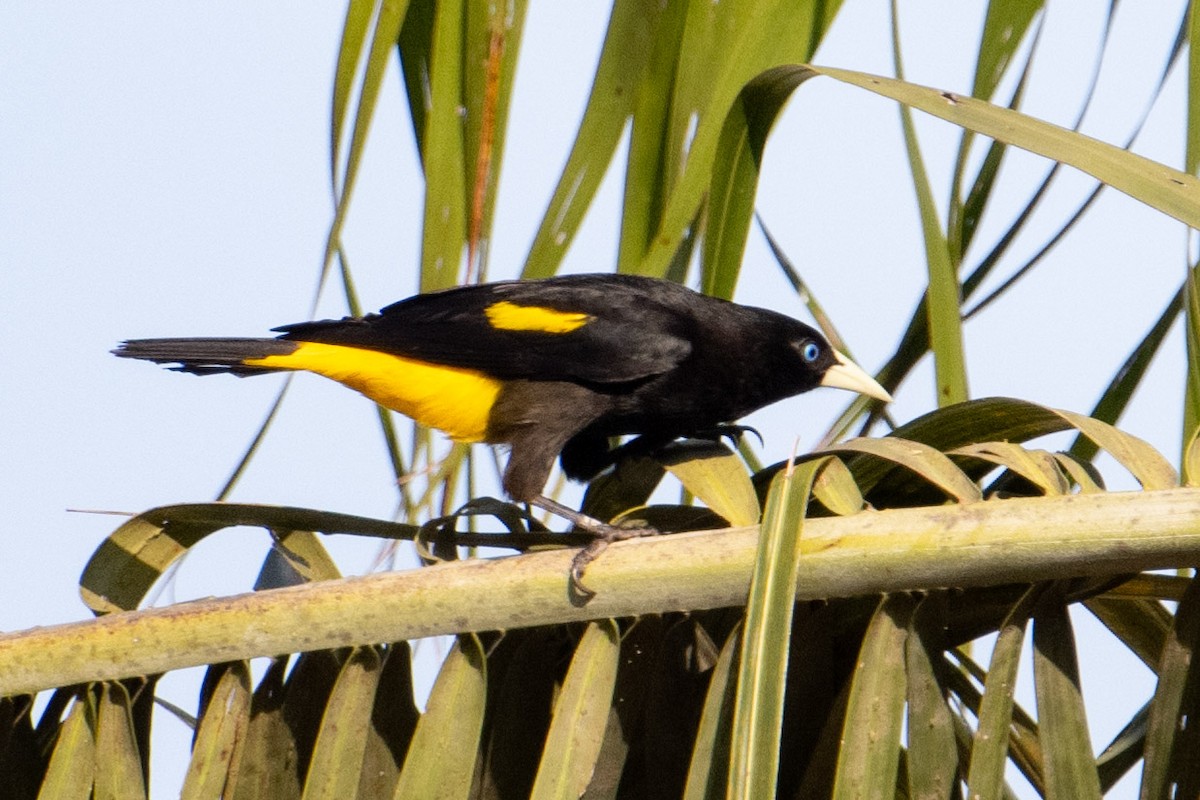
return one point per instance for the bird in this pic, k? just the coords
(557, 367)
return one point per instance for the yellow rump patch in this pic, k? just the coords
(512, 317)
(456, 401)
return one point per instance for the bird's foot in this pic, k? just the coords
(605, 535)
(733, 433)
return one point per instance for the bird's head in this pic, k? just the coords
(817, 357)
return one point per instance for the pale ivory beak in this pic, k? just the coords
(845, 374)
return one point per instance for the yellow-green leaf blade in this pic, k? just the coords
(989, 751)
(758, 708)
(445, 226)
(944, 293)
(580, 715)
(212, 772)
(1171, 191)
(870, 748)
(1062, 721)
(337, 757)
(441, 757)
(718, 478)
(932, 758)
(708, 771)
(70, 772)
(118, 759)
(926, 461)
(1167, 737)
(628, 43)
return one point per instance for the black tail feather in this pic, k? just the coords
(209, 356)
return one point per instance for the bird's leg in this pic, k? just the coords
(582, 458)
(604, 534)
(585, 455)
(533, 451)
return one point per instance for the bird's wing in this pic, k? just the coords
(599, 331)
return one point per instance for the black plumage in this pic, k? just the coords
(565, 362)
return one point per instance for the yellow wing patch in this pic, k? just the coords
(512, 317)
(456, 401)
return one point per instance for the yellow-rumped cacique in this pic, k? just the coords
(552, 368)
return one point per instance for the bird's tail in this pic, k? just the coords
(207, 356)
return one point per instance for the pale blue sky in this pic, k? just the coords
(164, 171)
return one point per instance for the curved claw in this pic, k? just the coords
(605, 535)
(729, 431)
(736, 432)
(603, 532)
(579, 563)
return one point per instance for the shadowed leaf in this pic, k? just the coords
(70, 773)
(336, 764)
(1062, 722)
(445, 744)
(870, 747)
(580, 715)
(217, 749)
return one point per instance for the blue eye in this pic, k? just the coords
(809, 351)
